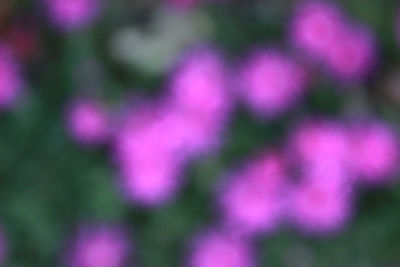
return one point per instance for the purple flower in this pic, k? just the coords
(72, 15)
(147, 156)
(188, 134)
(155, 140)
(253, 200)
(88, 121)
(320, 205)
(271, 82)
(153, 144)
(315, 27)
(11, 83)
(325, 34)
(352, 54)
(220, 249)
(99, 246)
(320, 143)
(375, 151)
(199, 86)
(199, 101)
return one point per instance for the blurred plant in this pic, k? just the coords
(88, 122)
(99, 246)
(11, 81)
(271, 83)
(305, 170)
(220, 249)
(252, 201)
(322, 31)
(72, 14)
(154, 49)
(155, 140)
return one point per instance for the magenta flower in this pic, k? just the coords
(217, 249)
(320, 206)
(318, 144)
(189, 134)
(148, 157)
(315, 27)
(154, 141)
(199, 87)
(88, 121)
(152, 183)
(253, 200)
(271, 82)
(328, 169)
(11, 83)
(321, 30)
(375, 151)
(72, 15)
(99, 247)
(199, 102)
(352, 54)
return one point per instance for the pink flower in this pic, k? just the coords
(321, 144)
(147, 156)
(187, 134)
(88, 121)
(11, 82)
(99, 247)
(154, 141)
(217, 249)
(320, 29)
(320, 205)
(316, 26)
(72, 14)
(271, 82)
(253, 200)
(199, 103)
(199, 86)
(329, 170)
(352, 54)
(152, 183)
(375, 151)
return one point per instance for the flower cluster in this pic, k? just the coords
(220, 249)
(309, 182)
(271, 82)
(72, 15)
(310, 185)
(11, 82)
(99, 246)
(88, 121)
(156, 139)
(322, 31)
(327, 160)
